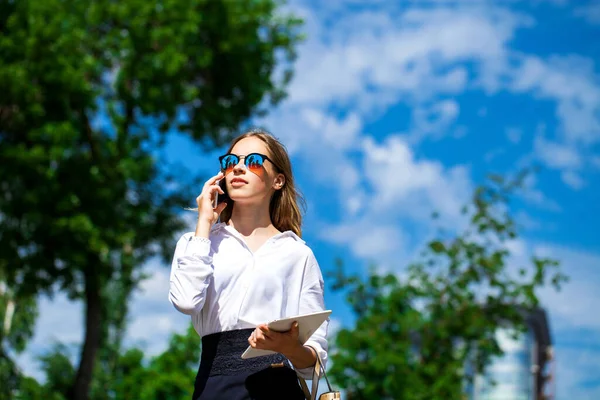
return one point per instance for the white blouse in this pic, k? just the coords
(224, 286)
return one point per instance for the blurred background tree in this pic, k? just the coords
(89, 91)
(17, 317)
(165, 376)
(426, 332)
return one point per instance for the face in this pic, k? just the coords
(253, 178)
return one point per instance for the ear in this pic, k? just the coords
(279, 182)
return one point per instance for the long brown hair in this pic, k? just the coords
(284, 207)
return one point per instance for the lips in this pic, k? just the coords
(238, 180)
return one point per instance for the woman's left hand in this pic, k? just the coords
(280, 342)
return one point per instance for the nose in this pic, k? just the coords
(240, 166)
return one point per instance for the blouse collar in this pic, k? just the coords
(222, 227)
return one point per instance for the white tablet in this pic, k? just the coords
(307, 325)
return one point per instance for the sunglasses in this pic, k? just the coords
(254, 162)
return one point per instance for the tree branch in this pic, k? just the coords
(122, 133)
(90, 138)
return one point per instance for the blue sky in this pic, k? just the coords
(398, 109)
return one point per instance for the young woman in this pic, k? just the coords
(252, 267)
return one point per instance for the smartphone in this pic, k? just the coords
(219, 198)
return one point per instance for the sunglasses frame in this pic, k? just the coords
(245, 157)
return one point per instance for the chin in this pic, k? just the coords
(245, 200)
(241, 200)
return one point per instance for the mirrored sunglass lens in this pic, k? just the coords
(254, 161)
(228, 162)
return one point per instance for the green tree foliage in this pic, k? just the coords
(17, 316)
(417, 333)
(167, 376)
(89, 91)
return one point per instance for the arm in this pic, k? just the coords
(302, 357)
(192, 268)
(191, 271)
(312, 300)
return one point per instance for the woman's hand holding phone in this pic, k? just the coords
(208, 214)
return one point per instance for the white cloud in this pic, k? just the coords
(60, 321)
(339, 134)
(62, 315)
(563, 157)
(570, 81)
(370, 60)
(556, 155)
(577, 372)
(153, 330)
(538, 198)
(535, 196)
(590, 13)
(525, 221)
(375, 59)
(576, 305)
(404, 185)
(366, 239)
(434, 119)
(572, 179)
(152, 317)
(493, 154)
(398, 188)
(367, 61)
(514, 135)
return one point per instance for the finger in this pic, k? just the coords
(220, 208)
(209, 193)
(267, 335)
(214, 179)
(265, 330)
(294, 330)
(260, 337)
(215, 188)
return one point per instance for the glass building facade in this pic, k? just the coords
(523, 372)
(512, 376)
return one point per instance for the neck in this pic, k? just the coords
(252, 219)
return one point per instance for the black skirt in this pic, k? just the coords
(224, 375)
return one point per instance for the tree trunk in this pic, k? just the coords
(93, 320)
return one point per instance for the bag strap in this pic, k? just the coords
(304, 388)
(318, 369)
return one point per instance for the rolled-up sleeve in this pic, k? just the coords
(312, 300)
(191, 272)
